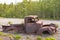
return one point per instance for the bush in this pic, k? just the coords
(17, 37)
(9, 22)
(1, 33)
(50, 39)
(39, 38)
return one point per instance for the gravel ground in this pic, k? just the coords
(33, 37)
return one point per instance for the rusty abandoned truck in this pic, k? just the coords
(31, 25)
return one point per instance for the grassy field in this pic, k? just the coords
(8, 36)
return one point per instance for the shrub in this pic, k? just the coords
(9, 22)
(39, 38)
(17, 37)
(50, 39)
(1, 33)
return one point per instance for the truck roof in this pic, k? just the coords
(33, 16)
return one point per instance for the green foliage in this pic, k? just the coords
(50, 39)
(9, 22)
(39, 38)
(17, 37)
(45, 9)
(1, 33)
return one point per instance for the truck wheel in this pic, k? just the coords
(44, 29)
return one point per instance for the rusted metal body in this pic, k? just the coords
(32, 25)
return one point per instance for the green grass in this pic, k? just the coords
(17, 37)
(39, 38)
(50, 38)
